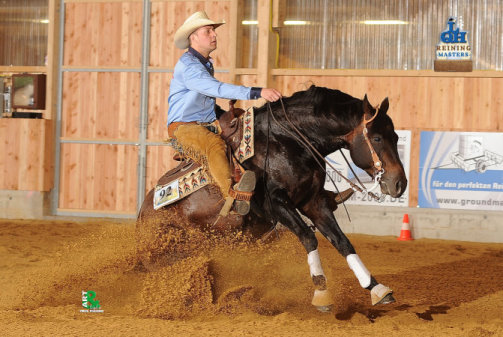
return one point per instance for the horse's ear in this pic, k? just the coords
(367, 107)
(384, 105)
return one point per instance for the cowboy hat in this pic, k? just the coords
(193, 22)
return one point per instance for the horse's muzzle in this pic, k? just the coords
(394, 186)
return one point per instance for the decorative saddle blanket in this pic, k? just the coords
(192, 174)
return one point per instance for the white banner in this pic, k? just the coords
(339, 163)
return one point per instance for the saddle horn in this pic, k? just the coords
(231, 107)
(235, 112)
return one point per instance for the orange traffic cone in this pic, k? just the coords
(405, 232)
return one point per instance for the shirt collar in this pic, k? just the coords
(201, 58)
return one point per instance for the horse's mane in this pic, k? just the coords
(320, 100)
(319, 95)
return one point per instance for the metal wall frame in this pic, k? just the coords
(143, 120)
(142, 142)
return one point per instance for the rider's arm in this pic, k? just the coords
(197, 78)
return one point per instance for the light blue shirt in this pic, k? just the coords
(193, 90)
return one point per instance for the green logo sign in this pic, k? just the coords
(90, 302)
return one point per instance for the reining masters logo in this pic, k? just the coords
(453, 52)
(89, 302)
(453, 43)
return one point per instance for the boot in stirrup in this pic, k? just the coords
(243, 192)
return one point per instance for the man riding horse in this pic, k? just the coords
(191, 113)
(192, 106)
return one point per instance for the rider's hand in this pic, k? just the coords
(272, 95)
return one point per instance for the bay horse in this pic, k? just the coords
(290, 180)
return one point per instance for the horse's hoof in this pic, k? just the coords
(387, 299)
(324, 308)
(381, 294)
(322, 299)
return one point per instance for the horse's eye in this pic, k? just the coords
(376, 139)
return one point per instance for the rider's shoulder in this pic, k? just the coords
(187, 59)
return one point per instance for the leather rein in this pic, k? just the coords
(302, 139)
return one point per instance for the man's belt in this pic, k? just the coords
(213, 127)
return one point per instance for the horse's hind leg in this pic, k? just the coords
(320, 211)
(287, 215)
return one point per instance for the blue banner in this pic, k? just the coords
(461, 170)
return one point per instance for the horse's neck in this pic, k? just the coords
(323, 133)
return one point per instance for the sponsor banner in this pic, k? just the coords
(339, 163)
(461, 170)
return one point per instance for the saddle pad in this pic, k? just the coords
(180, 182)
(190, 176)
(246, 147)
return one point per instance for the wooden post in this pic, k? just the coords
(52, 60)
(233, 47)
(266, 44)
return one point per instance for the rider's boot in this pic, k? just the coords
(241, 193)
(343, 196)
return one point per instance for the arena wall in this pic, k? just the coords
(104, 145)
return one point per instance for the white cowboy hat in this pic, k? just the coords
(195, 21)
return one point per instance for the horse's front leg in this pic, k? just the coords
(287, 214)
(320, 211)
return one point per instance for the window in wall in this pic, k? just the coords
(23, 32)
(385, 34)
(247, 37)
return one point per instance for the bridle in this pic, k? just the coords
(319, 158)
(375, 157)
(379, 170)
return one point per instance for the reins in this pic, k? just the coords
(318, 157)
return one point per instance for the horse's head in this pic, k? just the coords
(382, 138)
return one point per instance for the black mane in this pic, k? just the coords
(320, 100)
(319, 95)
(316, 108)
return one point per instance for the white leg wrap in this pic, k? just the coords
(357, 266)
(313, 259)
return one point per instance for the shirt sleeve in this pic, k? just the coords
(255, 93)
(197, 78)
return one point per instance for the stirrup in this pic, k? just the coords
(243, 191)
(241, 194)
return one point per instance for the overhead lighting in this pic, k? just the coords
(249, 22)
(44, 21)
(295, 23)
(384, 22)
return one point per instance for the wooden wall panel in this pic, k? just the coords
(28, 157)
(98, 177)
(158, 93)
(440, 103)
(159, 161)
(100, 105)
(103, 34)
(167, 16)
(247, 80)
